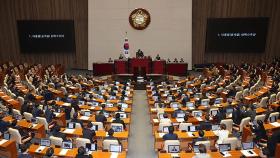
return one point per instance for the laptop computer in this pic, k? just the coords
(217, 101)
(124, 105)
(91, 147)
(87, 113)
(67, 145)
(174, 105)
(7, 136)
(224, 147)
(165, 129)
(180, 115)
(94, 127)
(106, 114)
(173, 148)
(71, 125)
(45, 142)
(272, 119)
(190, 105)
(214, 112)
(115, 148)
(215, 127)
(197, 114)
(81, 102)
(204, 103)
(229, 110)
(247, 145)
(117, 128)
(192, 128)
(196, 149)
(109, 105)
(123, 115)
(161, 116)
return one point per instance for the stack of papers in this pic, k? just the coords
(84, 118)
(114, 155)
(155, 120)
(175, 155)
(247, 154)
(275, 124)
(63, 152)
(226, 154)
(69, 131)
(40, 149)
(161, 134)
(3, 141)
(190, 134)
(199, 118)
(66, 104)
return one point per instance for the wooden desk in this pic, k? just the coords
(10, 100)
(8, 149)
(39, 129)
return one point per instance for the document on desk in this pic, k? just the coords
(247, 154)
(10, 100)
(56, 114)
(84, 118)
(63, 151)
(66, 104)
(153, 109)
(40, 149)
(226, 154)
(199, 118)
(69, 131)
(275, 124)
(161, 134)
(155, 120)
(190, 134)
(180, 119)
(114, 155)
(175, 155)
(3, 141)
(34, 125)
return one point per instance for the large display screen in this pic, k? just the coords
(36, 36)
(236, 34)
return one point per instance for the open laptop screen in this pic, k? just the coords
(247, 145)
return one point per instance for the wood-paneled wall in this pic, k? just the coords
(13, 10)
(203, 9)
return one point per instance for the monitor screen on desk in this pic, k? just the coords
(45, 142)
(173, 148)
(94, 127)
(165, 129)
(247, 145)
(87, 113)
(196, 149)
(272, 119)
(117, 128)
(224, 147)
(115, 148)
(81, 102)
(124, 105)
(71, 125)
(106, 114)
(18, 117)
(7, 136)
(229, 110)
(214, 112)
(190, 104)
(123, 115)
(192, 128)
(91, 146)
(180, 115)
(161, 116)
(215, 127)
(67, 145)
(197, 114)
(34, 120)
(217, 101)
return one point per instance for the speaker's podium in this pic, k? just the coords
(139, 67)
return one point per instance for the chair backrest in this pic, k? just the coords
(63, 89)
(263, 102)
(162, 125)
(15, 135)
(238, 95)
(78, 125)
(21, 100)
(195, 111)
(56, 141)
(272, 98)
(228, 123)
(278, 96)
(206, 143)
(43, 121)
(99, 124)
(28, 116)
(81, 142)
(260, 117)
(108, 142)
(170, 142)
(16, 112)
(233, 141)
(244, 122)
(72, 112)
(274, 114)
(184, 126)
(245, 92)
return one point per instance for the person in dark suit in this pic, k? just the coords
(179, 110)
(47, 94)
(49, 114)
(76, 120)
(250, 112)
(24, 107)
(237, 115)
(272, 142)
(206, 125)
(185, 100)
(3, 125)
(23, 152)
(220, 115)
(88, 133)
(259, 131)
(200, 137)
(49, 153)
(36, 110)
(56, 133)
(170, 135)
(82, 153)
(100, 117)
(119, 120)
(111, 136)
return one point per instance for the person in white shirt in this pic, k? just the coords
(222, 133)
(202, 152)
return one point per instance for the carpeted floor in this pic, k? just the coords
(141, 140)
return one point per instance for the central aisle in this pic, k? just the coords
(141, 139)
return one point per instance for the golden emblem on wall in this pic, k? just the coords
(139, 18)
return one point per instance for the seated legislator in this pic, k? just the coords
(202, 152)
(76, 120)
(206, 125)
(49, 153)
(111, 136)
(23, 152)
(170, 135)
(88, 133)
(100, 117)
(165, 119)
(3, 125)
(200, 137)
(56, 132)
(119, 120)
(222, 134)
(259, 131)
(82, 153)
